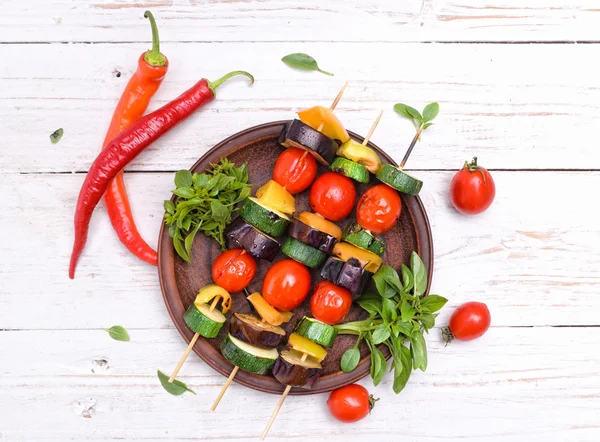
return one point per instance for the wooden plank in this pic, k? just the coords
(286, 20)
(514, 384)
(541, 115)
(532, 257)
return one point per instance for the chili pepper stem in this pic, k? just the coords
(213, 85)
(153, 56)
(410, 148)
(184, 357)
(225, 387)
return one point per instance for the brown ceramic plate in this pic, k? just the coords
(180, 281)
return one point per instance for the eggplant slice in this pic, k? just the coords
(331, 269)
(260, 245)
(250, 329)
(290, 369)
(311, 236)
(349, 275)
(298, 134)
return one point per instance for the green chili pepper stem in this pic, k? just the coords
(213, 85)
(153, 56)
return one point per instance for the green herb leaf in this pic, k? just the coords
(350, 360)
(420, 274)
(56, 135)
(430, 112)
(407, 311)
(176, 388)
(404, 327)
(304, 62)
(169, 206)
(189, 240)
(183, 178)
(380, 334)
(418, 349)
(184, 192)
(219, 211)
(388, 313)
(409, 112)
(372, 305)
(180, 249)
(118, 333)
(433, 303)
(408, 279)
(428, 321)
(378, 365)
(426, 125)
(403, 369)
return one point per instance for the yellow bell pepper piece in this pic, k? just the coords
(321, 224)
(304, 345)
(324, 120)
(267, 312)
(274, 196)
(209, 292)
(369, 260)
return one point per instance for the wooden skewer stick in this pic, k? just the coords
(373, 127)
(190, 345)
(334, 104)
(225, 387)
(410, 148)
(279, 405)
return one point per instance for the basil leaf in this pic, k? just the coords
(176, 388)
(219, 211)
(388, 311)
(169, 206)
(186, 223)
(420, 274)
(430, 112)
(350, 360)
(428, 321)
(418, 350)
(407, 312)
(189, 240)
(372, 306)
(387, 276)
(184, 192)
(183, 178)
(56, 135)
(200, 180)
(426, 125)
(378, 365)
(304, 62)
(180, 248)
(380, 334)
(172, 231)
(404, 327)
(409, 112)
(403, 369)
(433, 303)
(408, 279)
(118, 333)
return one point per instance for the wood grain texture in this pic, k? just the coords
(309, 20)
(535, 116)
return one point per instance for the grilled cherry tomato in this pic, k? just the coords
(332, 196)
(472, 189)
(378, 209)
(286, 284)
(468, 322)
(295, 169)
(350, 403)
(233, 270)
(329, 303)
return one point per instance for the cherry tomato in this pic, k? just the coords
(233, 270)
(472, 189)
(330, 303)
(468, 322)
(332, 196)
(295, 169)
(350, 403)
(378, 209)
(286, 284)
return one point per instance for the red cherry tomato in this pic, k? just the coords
(332, 196)
(350, 403)
(472, 189)
(233, 270)
(329, 303)
(378, 209)
(295, 169)
(468, 322)
(286, 284)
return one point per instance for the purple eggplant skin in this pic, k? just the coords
(311, 236)
(331, 269)
(296, 375)
(298, 134)
(255, 336)
(241, 234)
(353, 278)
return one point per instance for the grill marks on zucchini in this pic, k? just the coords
(352, 170)
(355, 234)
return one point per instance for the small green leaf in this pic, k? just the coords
(304, 62)
(420, 274)
(407, 312)
(426, 125)
(403, 369)
(183, 178)
(56, 135)
(389, 312)
(186, 223)
(219, 211)
(408, 279)
(189, 240)
(404, 327)
(406, 111)
(176, 388)
(428, 321)
(350, 360)
(169, 206)
(118, 333)
(433, 303)
(386, 277)
(430, 112)
(378, 365)
(184, 192)
(371, 305)
(380, 334)
(180, 249)
(418, 349)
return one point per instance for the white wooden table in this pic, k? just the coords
(516, 88)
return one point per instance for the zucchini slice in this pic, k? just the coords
(248, 357)
(267, 220)
(355, 234)
(304, 254)
(317, 331)
(201, 320)
(350, 169)
(399, 180)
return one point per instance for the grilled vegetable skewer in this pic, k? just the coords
(334, 104)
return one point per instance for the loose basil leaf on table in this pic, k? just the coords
(118, 333)
(176, 388)
(304, 62)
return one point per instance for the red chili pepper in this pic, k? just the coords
(127, 145)
(151, 70)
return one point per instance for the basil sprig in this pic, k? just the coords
(398, 316)
(205, 202)
(304, 62)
